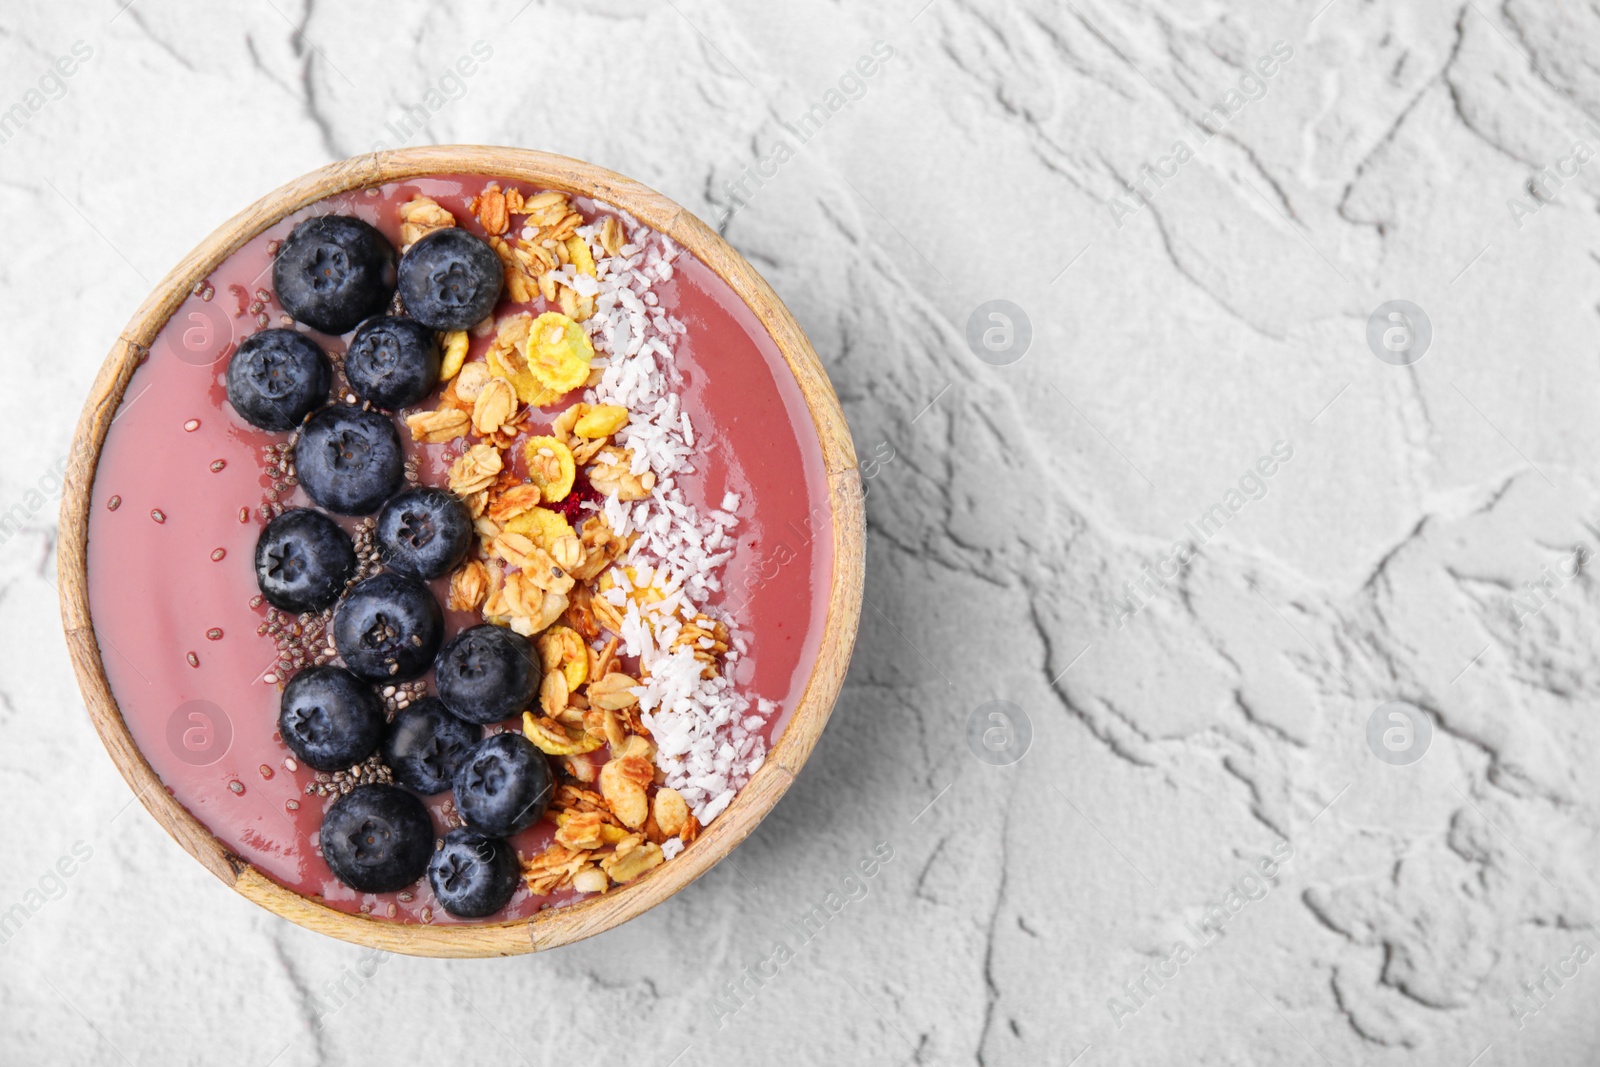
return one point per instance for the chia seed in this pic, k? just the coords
(369, 771)
(191, 426)
(114, 503)
(452, 818)
(277, 463)
(158, 515)
(218, 554)
(217, 465)
(403, 695)
(266, 771)
(194, 660)
(306, 640)
(237, 787)
(214, 634)
(366, 545)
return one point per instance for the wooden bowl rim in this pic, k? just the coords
(557, 926)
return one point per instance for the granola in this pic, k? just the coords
(558, 553)
(420, 217)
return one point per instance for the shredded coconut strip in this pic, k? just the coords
(708, 741)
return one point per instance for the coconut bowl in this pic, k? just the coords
(591, 915)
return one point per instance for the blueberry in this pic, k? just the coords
(331, 718)
(303, 561)
(474, 876)
(278, 377)
(388, 628)
(349, 460)
(450, 280)
(488, 673)
(334, 271)
(393, 362)
(504, 786)
(424, 533)
(426, 744)
(377, 838)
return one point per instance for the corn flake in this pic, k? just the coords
(542, 526)
(558, 352)
(601, 421)
(505, 359)
(578, 252)
(548, 737)
(550, 466)
(562, 647)
(455, 346)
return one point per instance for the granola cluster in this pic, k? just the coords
(548, 563)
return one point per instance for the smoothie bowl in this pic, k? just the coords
(461, 551)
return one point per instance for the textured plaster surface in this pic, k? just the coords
(1197, 691)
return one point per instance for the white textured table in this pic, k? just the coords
(1195, 531)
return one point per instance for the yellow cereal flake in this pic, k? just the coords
(596, 830)
(455, 354)
(514, 370)
(558, 352)
(582, 258)
(601, 421)
(549, 738)
(550, 467)
(505, 359)
(541, 526)
(560, 646)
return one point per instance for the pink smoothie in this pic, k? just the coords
(170, 564)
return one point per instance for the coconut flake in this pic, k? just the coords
(707, 736)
